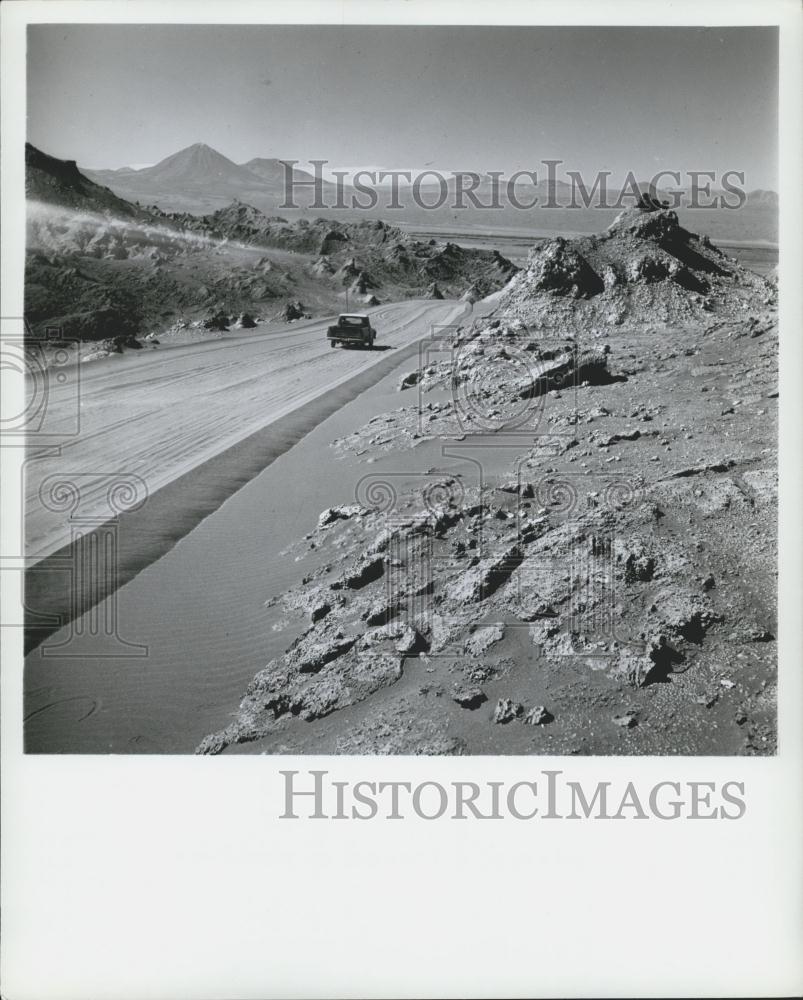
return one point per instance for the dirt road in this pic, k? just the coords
(148, 418)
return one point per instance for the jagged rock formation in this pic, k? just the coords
(645, 268)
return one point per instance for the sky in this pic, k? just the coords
(471, 98)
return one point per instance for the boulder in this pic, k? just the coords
(469, 696)
(216, 321)
(507, 710)
(293, 311)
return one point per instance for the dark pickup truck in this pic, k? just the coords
(352, 329)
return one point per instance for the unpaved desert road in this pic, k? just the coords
(148, 418)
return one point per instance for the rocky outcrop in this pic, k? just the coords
(294, 310)
(645, 268)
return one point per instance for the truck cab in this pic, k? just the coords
(352, 330)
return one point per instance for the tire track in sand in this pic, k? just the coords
(204, 458)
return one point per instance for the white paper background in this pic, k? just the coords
(140, 877)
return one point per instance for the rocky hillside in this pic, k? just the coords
(60, 182)
(364, 255)
(99, 268)
(607, 585)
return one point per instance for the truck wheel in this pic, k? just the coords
(333, 343)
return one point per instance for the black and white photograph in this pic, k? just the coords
(381, 427)
(401, 444)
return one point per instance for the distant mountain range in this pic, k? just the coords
(761, 197)
(200, 181)
(199, 178)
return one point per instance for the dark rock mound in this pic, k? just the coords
(332, 241)
(294, 310)
(217, 321)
